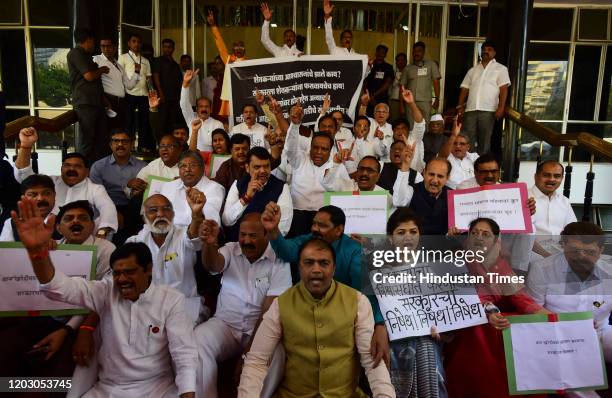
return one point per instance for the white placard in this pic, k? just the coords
(20, 290)
(411, 307)
(154, 186)
(366, 212)
(556, 355)
(504, 203)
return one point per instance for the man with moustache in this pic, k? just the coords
(173, 247)
(235, 167)
(253, 276)
(253, 191)
(289, 49)
(73, 183)
(391, 170)
(485, 87)
(166, 165)
(40, 189)
(457, 151)
(203, 109)
(249, 127)
(422, 77)
(49, 346)
(148, 347)
(325, 328)
(434, 138)
(328, 224)
(191, 175)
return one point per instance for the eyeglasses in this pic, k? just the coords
(485, 172)
(126, 272)
(189, 166)
(169, 146)
(121, 140)
(585, 252)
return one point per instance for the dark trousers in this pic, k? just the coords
(93, 139)
(139, 121)
(169, 114)
(119, 105)
(132, 221)
(18, 335)
(301, 223)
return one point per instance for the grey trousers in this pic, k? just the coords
(478, 125)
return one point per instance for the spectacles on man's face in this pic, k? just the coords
(486, 172)
(167, 146)
(121, 140)
(189, 166)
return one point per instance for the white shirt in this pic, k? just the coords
(194, 89)
(176, 193)
(370, 147)
(208, 125)
(306, 189)
(158, 168)
(338, 180)
(234, 208)
(462, 169)
(116, 81)
(469, 183)
(244, 286)
(105, 211)
(208, 87)
(484, 84)
(553, 213)
(173, 263)
(134, 359)
(415, 135)
(127, 61)
(257, 133)
(272, 48)
(331, 42)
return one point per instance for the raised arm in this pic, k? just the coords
(212, 259)
(223, 53)
(447, 148)
(402, 191)
(185, 101)
(265, 31)
(328, 9)
(27, 138)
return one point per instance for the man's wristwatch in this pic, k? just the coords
(102, 233)
(68, 329)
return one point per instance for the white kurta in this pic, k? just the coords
(256, 133)
(204, 142)
(142, 340)
(176, 192)
(462, 169)
(276, 51)
(173, 263)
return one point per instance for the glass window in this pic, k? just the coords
(10, 11)
(530, 145)
(546, 81)
(605, 109)
(13, 67)
(543, 29)
(462, 21)
(593, 24)
(484, 21)
(50, 12)
(430, 28)
(603, 131)
(48, 140)
(459, 59)
(171, 24)
(584, 82)
(605, 214)
(139, 12)
(52, 82)
(14, 114)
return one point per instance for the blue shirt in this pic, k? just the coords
(348, 262)
(114, 177)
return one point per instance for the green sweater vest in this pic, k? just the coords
(319, 341)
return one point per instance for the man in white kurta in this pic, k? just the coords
(191, 172)
(173, 247)
(288, 49)
(249, 127)
(148, 347)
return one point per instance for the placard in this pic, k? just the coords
(289, 79)
(553, 353)
(411, 307)
(366, 211)
(20, 293)
(215, 162)
(154, 185)
(504, 203)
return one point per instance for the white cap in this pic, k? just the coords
(436, 118)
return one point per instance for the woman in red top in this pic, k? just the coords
(474, 360)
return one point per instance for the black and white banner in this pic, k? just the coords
(307, 78)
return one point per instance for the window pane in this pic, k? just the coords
(484, 21)
(10, 11)
(593, 24)
(459, 59)
(14, 114)
(584, 82)
(462, 21)
(605, 109)
(49, 140)
(530, 145)
(543, 29)
(50, 12)
(546, 81)
(139, 12)
(51, 79)
(13, 67)
(599, 130)
(430, 28)
(171, 23)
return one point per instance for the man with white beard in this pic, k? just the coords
(174, 247)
